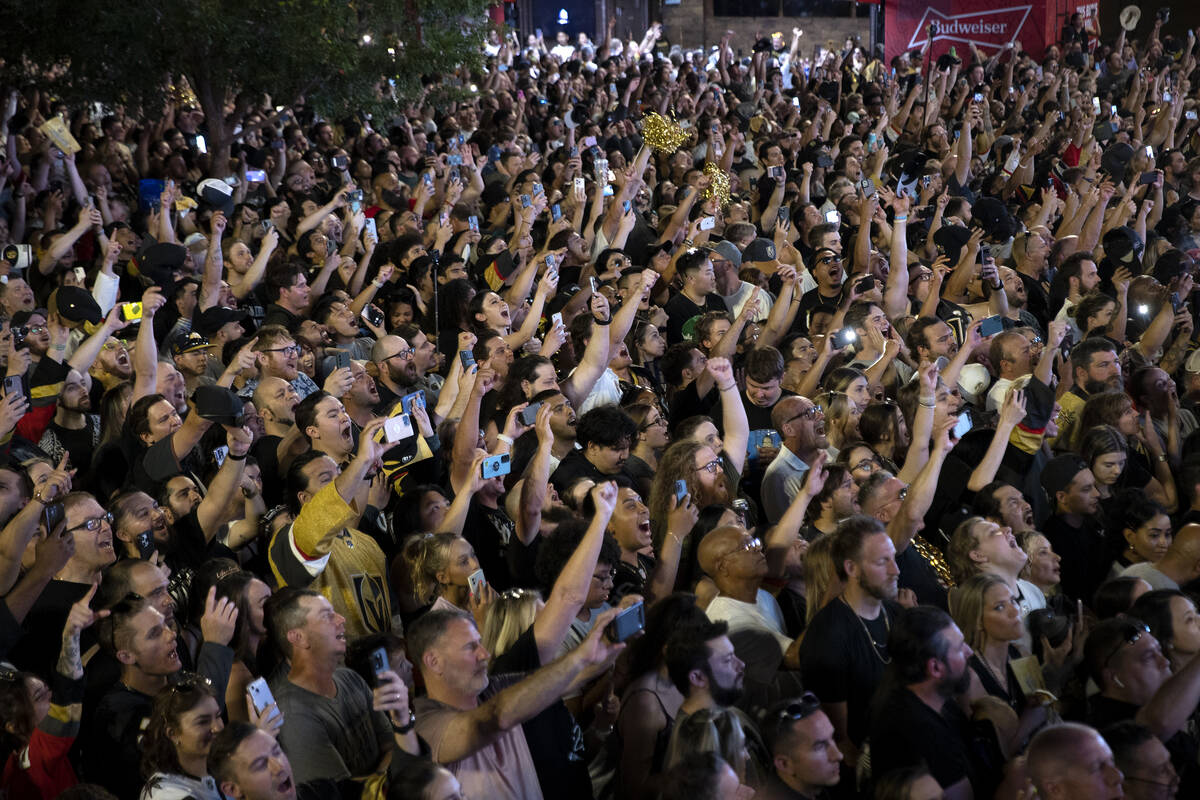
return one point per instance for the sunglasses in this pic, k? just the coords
(805, 706)
(1136, 630)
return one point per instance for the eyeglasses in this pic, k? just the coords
(808, 413)
(807, 705)
(37, 328)
(92, 524)
(752, 544)
(924, 276)
(404, 355)
(660, 422)
(1136, 631)
(713, 467)
(867, 463)
(290, 350)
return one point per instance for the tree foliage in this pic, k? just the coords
(132, 51)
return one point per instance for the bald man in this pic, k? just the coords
(1072, 762)
(801, 426)
(1180, 564)
(734, 559)
(397, 370)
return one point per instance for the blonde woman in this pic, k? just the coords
(841, 420)
(986, 611)
(714, 730)
(821, 582)
(441, 568)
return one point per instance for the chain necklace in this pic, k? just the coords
(934, 557)
(875, 648)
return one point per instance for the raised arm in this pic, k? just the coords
(145, 355)
(212, 511)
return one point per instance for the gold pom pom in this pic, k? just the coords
(718, 183)
(662, 134)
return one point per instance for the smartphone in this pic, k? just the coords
(416, 398)
(379, 661)
(397, 428)
(495, 466)
(538, 190)
(1148, 178)
(985, 253)
(589, 141)
(131, 312)
(868, 187)
(337, 162)
(708, 223)
(13, 385)
(476, 582)
(783, 216)
(454, 160)
(1189, 114)
(144, 542)
(832, 218)
(473, 223)
(1176, 301)
(53, 515)
(628, 623)
(528, 415)
(428, 179)
(219, 454)
(201, 145)
(550, 265)
(372, 315)
(556, 212)
(370, 227)
(963, 426)
(977, 97)
(256, 176)
(681, 490)
(940, 363)
(556, 320)
(866, 284)
(526, 201)
(430, 149)
(844, 337)
(1096, 106)
(991, 326)
(261, 697)
(1166, 97)
(467, 358)
(626, 206)
(1149, 151)
(341, 359)
(579, 186)
(776, 172)
(594, 284)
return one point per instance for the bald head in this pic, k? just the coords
(1072, 762)
(785, 409)
(387, 346)
(718, 543)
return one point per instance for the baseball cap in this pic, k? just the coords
(759, 250)
(216, 195)
(974, 381)
(211, 320)
(75, 305)
(728, 251)
(1059, 472)
(189, 343)
(218, 404)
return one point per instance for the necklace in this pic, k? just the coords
(875, 646)
(1001, 681)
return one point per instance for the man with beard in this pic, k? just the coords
(136, 634)
(134, 513)
(397, 370)
(278, 356)
(278, 401)
(426, 360)
(1075, 527)
(802, 427)
(1003, 504)
(837, 500)
(703, 666)
(916, 719)
(828, 273)
(73, 430)
(845, 647)
(1077, 276)
(1018, 299)
(1094, 368)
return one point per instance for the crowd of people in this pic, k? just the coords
(615, 421)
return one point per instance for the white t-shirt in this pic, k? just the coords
(763, 615)
(995, 397)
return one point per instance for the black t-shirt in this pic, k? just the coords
(111, 744)
(490, 530)
(680, 309)
(81, 443)
(1037, 298)
(575, 466)
(808, 301)
(1086, 555)
(918, 574)
(905, 732)
(553, 736)
(266, 453)
(38, 648)
(839, 663)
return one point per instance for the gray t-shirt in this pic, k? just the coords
(335, 738)
(1151, 575)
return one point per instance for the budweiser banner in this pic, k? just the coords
(960, 23)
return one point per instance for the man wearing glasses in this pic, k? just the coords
(397, 371)
(805, 758)
(278, 356)
(801, 426)
(1135, 680)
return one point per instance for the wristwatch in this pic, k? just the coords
(408, 726)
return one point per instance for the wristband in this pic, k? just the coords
(604, 322)
(900, 218)
(408, 726)
(727, 388)
(505, 438)
(230, 456)
(377, 283)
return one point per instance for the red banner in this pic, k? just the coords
(960, 23)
